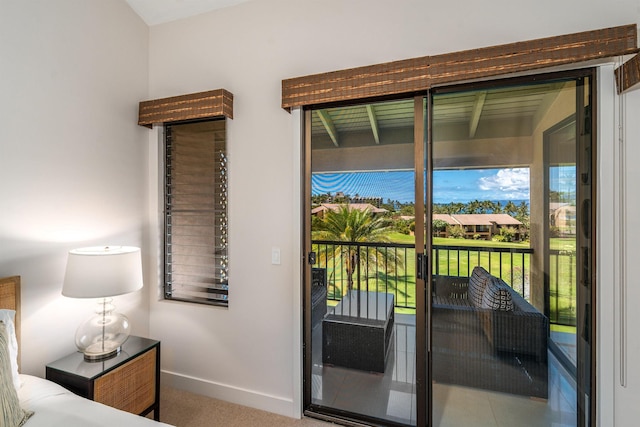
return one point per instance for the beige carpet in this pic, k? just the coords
(183, 409)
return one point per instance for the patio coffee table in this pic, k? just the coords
(356, 333)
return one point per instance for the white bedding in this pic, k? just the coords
(55, 406)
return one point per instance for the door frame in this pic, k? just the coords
(423, 251)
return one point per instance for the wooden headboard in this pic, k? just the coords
(10, 298)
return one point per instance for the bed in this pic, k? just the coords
(42, 402)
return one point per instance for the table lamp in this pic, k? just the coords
(102, 272)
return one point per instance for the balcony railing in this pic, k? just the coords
(513, 265)
(390, 267)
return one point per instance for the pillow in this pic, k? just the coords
(11, 414)
(497, 296)
(8, 316)
(477, 285)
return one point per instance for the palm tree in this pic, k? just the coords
(473, 207)
(511, 208)
(356, 226)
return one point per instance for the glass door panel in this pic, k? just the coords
(363, 291)
(504, 160)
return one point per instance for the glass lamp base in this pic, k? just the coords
(97, 351)
(102, 336)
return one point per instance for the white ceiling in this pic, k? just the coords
(159, 11)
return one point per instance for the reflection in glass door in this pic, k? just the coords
(506, 165)
(560, 239)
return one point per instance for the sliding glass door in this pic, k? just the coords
(509, 166)
(448, 256)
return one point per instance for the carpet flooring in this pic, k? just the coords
(184, 409)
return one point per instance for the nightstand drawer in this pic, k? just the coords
(131, 387)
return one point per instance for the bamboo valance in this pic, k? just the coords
(214, 103)
(419, 74)
(628, 74)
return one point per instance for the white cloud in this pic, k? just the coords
(510, 183)
(563, 178)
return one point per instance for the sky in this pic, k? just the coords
(448, 186)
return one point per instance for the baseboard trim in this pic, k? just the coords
(276, 404)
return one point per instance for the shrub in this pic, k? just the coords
(402, 226)
(456, 231)
(508, 234)
(439, 225)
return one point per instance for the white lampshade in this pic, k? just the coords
(102, 271)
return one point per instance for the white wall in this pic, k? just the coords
(72, 159)
(249, 353)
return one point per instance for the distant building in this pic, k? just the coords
(483, 225)
(563, 216)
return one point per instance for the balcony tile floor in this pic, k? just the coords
(391, 396)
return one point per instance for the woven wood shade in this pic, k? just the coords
(202, 105)
(628, 74)
(131, 387)
(419, 74)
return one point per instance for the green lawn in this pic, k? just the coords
(402, 238)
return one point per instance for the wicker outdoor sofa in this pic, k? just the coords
(483, 324)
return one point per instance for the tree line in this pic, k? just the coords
(519, 211)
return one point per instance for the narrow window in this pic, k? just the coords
(196, 227)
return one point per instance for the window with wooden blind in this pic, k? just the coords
(196, 226)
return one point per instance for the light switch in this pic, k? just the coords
(275, 255)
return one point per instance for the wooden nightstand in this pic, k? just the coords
(129, 381)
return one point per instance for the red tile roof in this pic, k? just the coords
(478, 219)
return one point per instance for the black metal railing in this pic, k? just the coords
(390, 268)
(380, 267)
(513, 265)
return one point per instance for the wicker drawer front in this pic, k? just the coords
(131, 387)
